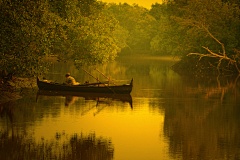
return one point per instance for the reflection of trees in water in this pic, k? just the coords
(200, 127)
(215, 137)
(78, 147)
(90, 148)
(7, 110)
(222, 86)
(15, 144)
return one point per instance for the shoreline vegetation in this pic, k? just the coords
(11, 89)
(207, 66)
(204, 33)
(96, 32)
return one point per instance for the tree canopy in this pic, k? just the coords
(139, 26)
(32, 30)
(90, 31)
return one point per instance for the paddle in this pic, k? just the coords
(98, 80)
(106, 77)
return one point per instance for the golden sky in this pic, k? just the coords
(144, 3)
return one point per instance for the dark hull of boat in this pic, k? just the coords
(121, 89)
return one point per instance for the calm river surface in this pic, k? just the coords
(167, 117)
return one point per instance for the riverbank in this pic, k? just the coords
(10, 90)
(207, 66)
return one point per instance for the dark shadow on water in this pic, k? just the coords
(6, 110)
(107, 98)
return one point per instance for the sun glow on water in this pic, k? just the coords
(130, 130)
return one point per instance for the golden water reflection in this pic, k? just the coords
(131, 130)
(167, 117)
(202, 120)
(75, 148)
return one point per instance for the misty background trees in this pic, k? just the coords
(90, 31)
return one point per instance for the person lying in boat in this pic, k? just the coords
(70, 80)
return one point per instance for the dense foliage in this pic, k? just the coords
(32, 30)
(90, 31)
(25, 37)
(137, 25)
(187, 22)
(203, 28)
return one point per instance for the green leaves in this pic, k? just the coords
(22, 40)
(215, 16)
(90, 32)
(136, 25)
(186, 26)
(32, 30)
(89, 36)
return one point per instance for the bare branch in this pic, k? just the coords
(204, 27)
(232, 61)
(237, 67)
(223, 48)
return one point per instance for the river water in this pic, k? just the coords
(167, 117)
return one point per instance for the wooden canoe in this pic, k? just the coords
(91, 87)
